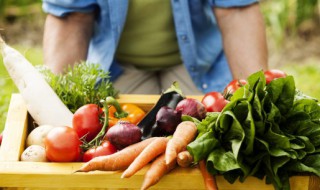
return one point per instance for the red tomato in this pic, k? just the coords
(1, 137)
(214, 101)
(62, 145)
(86, 121)
(106, 148)
(273, 74)
(234, 85)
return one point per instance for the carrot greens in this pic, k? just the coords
(84, 83)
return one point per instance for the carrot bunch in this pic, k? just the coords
(162, 152)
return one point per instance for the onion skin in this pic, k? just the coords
(123, 134)
(192, 107)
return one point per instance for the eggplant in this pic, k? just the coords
(170, 98)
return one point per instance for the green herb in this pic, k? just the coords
(270, 131)
(85, 83)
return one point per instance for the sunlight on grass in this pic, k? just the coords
(306, 76)
(34, 55)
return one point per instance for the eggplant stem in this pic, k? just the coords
(175, 88)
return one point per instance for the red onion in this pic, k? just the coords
(167, 120)
(123, 134)
(192, 107)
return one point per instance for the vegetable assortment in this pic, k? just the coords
(262, 126)
(161, 152)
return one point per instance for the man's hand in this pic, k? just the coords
(66, 40)
(244, 39)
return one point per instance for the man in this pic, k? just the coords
(148, 44)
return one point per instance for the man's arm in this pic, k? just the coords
(244, 39)
(66, 40)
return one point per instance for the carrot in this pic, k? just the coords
(117, 161)
(185, 132)
(209, 180)
(184, 159)
(156, 171)
(153, 150)
(42, 102)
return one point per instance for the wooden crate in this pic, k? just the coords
(14, 173)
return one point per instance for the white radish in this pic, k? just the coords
(42, 102)
(34, 153)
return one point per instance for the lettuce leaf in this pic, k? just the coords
(267, 131)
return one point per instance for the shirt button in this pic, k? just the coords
(192, 68)
(184, 37)
(204, 86)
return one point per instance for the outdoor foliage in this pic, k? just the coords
(16, 4)
(289, 17)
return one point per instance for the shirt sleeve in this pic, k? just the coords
(62, 7)
(231, 3)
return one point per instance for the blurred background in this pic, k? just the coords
(293, 32)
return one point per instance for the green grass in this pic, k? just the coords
(34, 55)
(306, 75)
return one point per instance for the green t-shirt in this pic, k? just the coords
(148, 40)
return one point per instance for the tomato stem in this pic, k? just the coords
(97, 140)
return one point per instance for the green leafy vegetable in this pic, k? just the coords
(83, 84)
(270, 131)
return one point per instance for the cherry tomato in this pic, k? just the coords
(214, 101)
(62, 145)
(274, 74)
(86, 121)
(106, 148)
(234, 85)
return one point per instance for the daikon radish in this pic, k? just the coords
(42, 102)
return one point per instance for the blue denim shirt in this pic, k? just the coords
(197, 32)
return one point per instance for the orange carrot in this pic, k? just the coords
(117, 161)
(185, 132)
(209, 180)
(154, 149)
(184, 159)
(156, 171)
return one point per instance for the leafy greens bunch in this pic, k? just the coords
(84, 83)
(267, 131)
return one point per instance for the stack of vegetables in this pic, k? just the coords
(262, 126)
